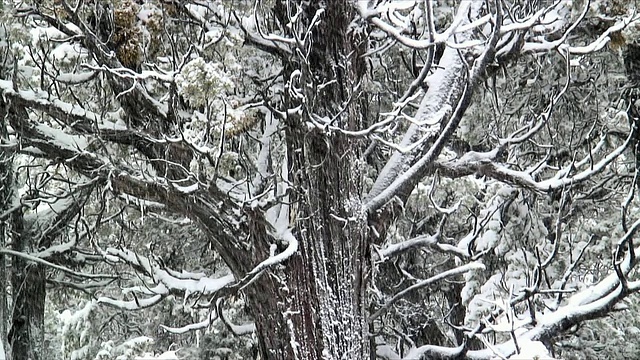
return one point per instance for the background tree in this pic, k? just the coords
(383, 179)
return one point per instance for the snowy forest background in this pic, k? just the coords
(339, 179)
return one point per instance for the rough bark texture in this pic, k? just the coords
(6, 194)
(28, 283)
(319, 310)
(28, 233)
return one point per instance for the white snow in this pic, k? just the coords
(422, 240)
(196, 326)
(44, 34)
(187, 282)
(430, 111)
(169, 355)
(73, 142)
(417, 353)
(137, 341)
(42, 99)
(186, 189)
(68, 52)
(473, 156)
(131, 305)
(292, 248)
(243, 329)
(531, 350)
(75, 78)
(386, 352)
(32, 150)
(109, 125)
(47, 211)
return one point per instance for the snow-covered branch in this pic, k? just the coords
(484, 165)
(416, 170)
(430, 241)
(420, 284)
(166, 281)
(445, 84)
(38, 260)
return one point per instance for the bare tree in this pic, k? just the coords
(302, 161)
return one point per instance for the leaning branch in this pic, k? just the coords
(40, 261)
(443, 275)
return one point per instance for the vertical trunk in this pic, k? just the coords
(318, 310)
(6, 196)
(27, 280)
(26, 336)
(334, 245)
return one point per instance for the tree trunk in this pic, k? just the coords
(26, 336)
(6, 196)
(318, 311)
(314, 308)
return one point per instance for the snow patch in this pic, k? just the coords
(531, 350)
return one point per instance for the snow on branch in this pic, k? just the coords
(137, 304)
(79, 119)
(590, 303)
(41, 261)
(254, 35)
(417, 169)
(292, 248)
(445, 83)
(443, 275)
(238, 330)
(485, 166)
(186, 282)
(431, 241)
(167, 281)
(53, 215)
(397, 33)
(434, 352)
(204, 324)
(390, 180)
(199, 203)
(43, 101)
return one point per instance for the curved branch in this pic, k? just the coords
(456, 271)
(40, 261)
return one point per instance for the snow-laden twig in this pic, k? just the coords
(458, 20)
(489, 168)
(441, 84)
(204, 324)
(40, 261)
(430, 241)
(137, 304)
(187, 282)
(238, 330)
(434, 352)
(443, 275)
(292, 248)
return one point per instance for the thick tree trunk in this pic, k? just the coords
(315, 307)
(27, 330)
(26, 336)
(6, 196)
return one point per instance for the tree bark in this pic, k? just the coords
(26, 336)
(318, 311)
(28, 280)
(6, 196)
